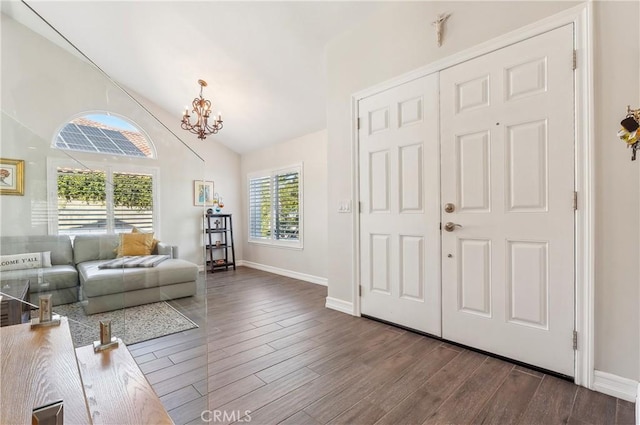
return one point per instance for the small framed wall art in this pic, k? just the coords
(202, 193)
(11, 176)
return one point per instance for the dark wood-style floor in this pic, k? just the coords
(271, 348)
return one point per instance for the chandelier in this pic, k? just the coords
(202, 109)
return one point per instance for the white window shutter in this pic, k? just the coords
(260, 207)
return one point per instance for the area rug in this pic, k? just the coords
(131, 325)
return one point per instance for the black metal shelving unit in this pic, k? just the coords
(219, 242)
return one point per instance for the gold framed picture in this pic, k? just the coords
(11, 176)
(202, 193)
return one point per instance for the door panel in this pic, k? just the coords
(400, 205)
(527, 283)
(474, 276)
(527, 167)
(507, 144)
(472, 165)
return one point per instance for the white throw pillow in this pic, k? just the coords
(33, 260)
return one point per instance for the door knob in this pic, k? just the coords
(450, 227)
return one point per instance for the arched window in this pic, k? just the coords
(106, 134)
(102, 197)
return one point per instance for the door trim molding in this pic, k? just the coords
(581, 16)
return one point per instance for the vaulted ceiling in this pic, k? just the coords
(263, 61)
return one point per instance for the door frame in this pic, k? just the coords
(581, 16)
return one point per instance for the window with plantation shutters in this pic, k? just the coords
(275, 207)
(99, 198)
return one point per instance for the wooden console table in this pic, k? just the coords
(40, 366)
(119, 392)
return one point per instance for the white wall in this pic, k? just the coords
(400, 38)
(311, 150)
(43, 86)
(617, 84)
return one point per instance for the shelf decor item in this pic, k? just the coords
(630, 131)
(11, 176)
(218, 203)
(202, 193)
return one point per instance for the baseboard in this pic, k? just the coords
(339, 305)
(284, 272)
(615, 386)
(638, 406)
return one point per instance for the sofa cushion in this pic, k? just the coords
(153, 244)
(166, 249)
(60, 247)
(97, 282)
(50, 278)
(95, 247)
(132, 244)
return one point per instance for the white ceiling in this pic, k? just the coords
(264, 61)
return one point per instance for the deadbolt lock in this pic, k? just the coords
(449, 208)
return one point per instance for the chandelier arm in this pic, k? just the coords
(190, 130)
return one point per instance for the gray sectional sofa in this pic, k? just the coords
(75, 273)
(111, 289)
(60, 280)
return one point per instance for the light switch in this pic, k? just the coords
(344, 206)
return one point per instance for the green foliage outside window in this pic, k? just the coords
(129, 190)
(287, 207)
(265, 213)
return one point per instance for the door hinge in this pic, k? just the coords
(575, 201)
(358, 124)
(359, 207)
(360, 290)
(575, 340)
(575, 59)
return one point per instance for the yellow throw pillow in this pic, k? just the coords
(155, 241)
(132, 244)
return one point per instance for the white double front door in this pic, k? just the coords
(484, 149)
